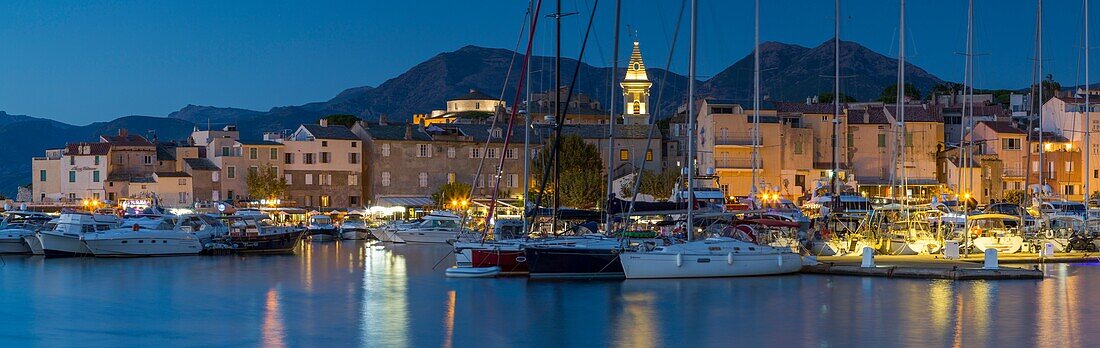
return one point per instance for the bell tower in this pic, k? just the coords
(636, 90)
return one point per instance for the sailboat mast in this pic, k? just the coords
(968, 103)
(691, 126)
(557, 111)
(527, 125)
(755, 98)
(611, 116)
(1042, 79)
(836, 104)
(901, 101)
(1088, 110)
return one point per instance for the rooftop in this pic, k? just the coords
(87, 148)
(473, 95)
(200, 164)
(335, 132)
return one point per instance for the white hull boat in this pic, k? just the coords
(58, 244)
(713, 257)
(838, 248)
(1004, 245)
(432, 236)
(354, 234)
(125, 242)
(473, 272)
(33, 244)
(916, 247)
(11, 241)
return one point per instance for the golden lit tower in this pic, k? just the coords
(636, 90)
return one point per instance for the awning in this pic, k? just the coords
(405, 201)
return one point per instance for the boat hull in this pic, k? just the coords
(62, 245)
(1004, 245)
(33, 244)
(13, 245)
(566, 262)
(917, 247)
(509, 261)
(838, 248)
(354, 234)
(270, 243)
(642, 265)
(138, 246)
(426, 237)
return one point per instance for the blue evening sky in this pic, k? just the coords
(91, 60)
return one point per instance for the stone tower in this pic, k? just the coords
(636, 90)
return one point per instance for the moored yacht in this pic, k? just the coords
(992, 231)
(437, 227)
(321, 228)
(253, 234)
(354, 227)
(65, 238)
(590, 256)
(168, 237)
(17, 225)
(711, 257)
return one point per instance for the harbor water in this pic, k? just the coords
(363, 294)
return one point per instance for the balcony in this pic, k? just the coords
(735, 139)
(736, 163)
(1014, 172)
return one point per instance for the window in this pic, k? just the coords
(1095, 174)
(451, 152)
(253, 170)
(510, 154)
(229, 195)
(385, 150)
(513, 180)
(491, 153)
(274, 154)
(72, 176)
(148, 160)
(324, 179)
(1069, 166)
(649, 155)
(41, 175)
(851, 140)
(97, 160)
(325, 157)
(624, 155)
(288, 158)
(423, 179)
(215, 176)
(95, 176)
(798, 147)
(183, 197)
(1010, 144)
(225, 151)
(231, 172)
(353, 157)
(120, 159)
(72, 196)
(72, 160)
(289, 178)
(882, 140)
(309, 201)
(450, 178)
(908, 139)
(475, 152)
(182, 182)
(353, 200)
(423, 150)
(324, 143)
(355, 144)
(307, 158)
(353, 180)
(309, 179)
(1069, 190)
(385, 179)
(253, 153)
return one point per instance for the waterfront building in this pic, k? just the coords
(472, 107)
(130, 156)
(582, 109)
(725, 146)
(1005, 141)
(322, 165)
(818, 117)
(46, 177)
(84, 170)
(874, 150)
(1065, 117)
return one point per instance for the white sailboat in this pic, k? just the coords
(715, 256)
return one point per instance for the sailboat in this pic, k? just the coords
(717, 256)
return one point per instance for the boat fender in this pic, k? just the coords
(729, 258)
(679, 260)
(1050, 234)
(521, 259)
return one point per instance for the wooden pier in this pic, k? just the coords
(934, 267)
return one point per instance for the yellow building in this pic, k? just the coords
(472, 107)
(877, 162)
(636, 90)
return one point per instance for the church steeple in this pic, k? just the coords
(636, 90)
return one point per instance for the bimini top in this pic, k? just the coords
(993, 217)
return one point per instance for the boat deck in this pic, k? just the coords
(936, 267)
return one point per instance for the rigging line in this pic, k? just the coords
(511, 122)
(560, 116)
(652, 117)
(611, 114)
(492, 125)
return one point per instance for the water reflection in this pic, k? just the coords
(341, 294)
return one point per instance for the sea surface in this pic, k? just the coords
(361, 294)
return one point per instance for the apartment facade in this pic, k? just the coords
(322, 166)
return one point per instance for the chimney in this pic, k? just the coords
(324, 122)
(122, 132)
(808, 100)
(408, 131)
(381, 119)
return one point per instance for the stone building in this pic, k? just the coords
(322, 165)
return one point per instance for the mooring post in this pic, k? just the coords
(990, 259)
(868, 258)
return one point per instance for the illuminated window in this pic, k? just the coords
(649, 155)
(624, 155)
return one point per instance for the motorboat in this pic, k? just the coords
(388, 232)
(992, 231)
(35, 244)
(182, 236)
(1063, 208)
(1013, 210)
(354, 227)
(252, 234)
(1058, 231)
(321, 228)
(504, 249)
(65, 238)
(437, 227)
(711, 257)
(15, 226)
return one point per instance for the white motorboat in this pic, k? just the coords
(64, 239)
(15, 226)
(168, 237)
(437, 227)
(989, 231)
(354, 227)
(1058, 231)
(712, 257)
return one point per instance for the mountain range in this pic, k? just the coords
(789, 72)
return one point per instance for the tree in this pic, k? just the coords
(659, 185)
(1050, 88)
(890, 94)
(342, 119)
(827, 97)
(452, 191)
(1018, 197)
(265, 183)
(582, 184)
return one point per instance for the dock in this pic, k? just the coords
(930, 267)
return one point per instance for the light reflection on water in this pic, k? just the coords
(357, 294)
